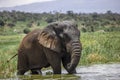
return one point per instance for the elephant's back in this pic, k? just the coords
(30, 38)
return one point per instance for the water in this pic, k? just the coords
(93, 72)
(100, 72)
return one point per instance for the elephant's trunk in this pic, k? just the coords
(75, 55)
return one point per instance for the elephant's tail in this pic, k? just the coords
(11, 58)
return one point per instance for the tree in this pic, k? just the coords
(1, 23)
(11, 25)
(92, 29)
(95, 16)
(49, 20)
(70, 13)
(83, 29)
(109, 12)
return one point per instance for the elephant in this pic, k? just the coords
(59, 42)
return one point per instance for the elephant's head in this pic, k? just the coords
(59, 35)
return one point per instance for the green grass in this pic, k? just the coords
(97, 48)
(100, 47)
(8, 47)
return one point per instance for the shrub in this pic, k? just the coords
(26, 30)
(49, 20)
(11, 25)
(83, 29)
(95, 57)
(1, 23)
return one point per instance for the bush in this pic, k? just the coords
(11, 25)
(83, 29)
(49, 20)
(1, 23)
(26, 30)
(29, 25)
(38, 24)
(112, 28)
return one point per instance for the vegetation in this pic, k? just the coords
(26, 30)
(16, 21)
(97, 48)
(100, 47)
(100, 35)
(8, 47)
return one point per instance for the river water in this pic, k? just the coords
(99, 72)
(93, 72)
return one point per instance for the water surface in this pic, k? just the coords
(93, 72)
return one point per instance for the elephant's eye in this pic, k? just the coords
(66, 37)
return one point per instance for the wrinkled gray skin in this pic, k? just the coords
(58, 42)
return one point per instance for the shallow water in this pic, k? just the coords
(100, 72)
(93, 72)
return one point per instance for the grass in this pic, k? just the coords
(8, 47)
(100, 47)
(97, 48)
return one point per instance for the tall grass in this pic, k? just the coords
(8, 47)
(100, 47)
(97, 48)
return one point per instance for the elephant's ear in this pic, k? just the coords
(49, 39)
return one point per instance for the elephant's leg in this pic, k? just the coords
(55, 63)
(66, 61)
(36, 71)
(54, 60)
(22, 65)
(21, 72)
(56, 68)
(73, 72)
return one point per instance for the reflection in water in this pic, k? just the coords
(94, 72)
(46, 77)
